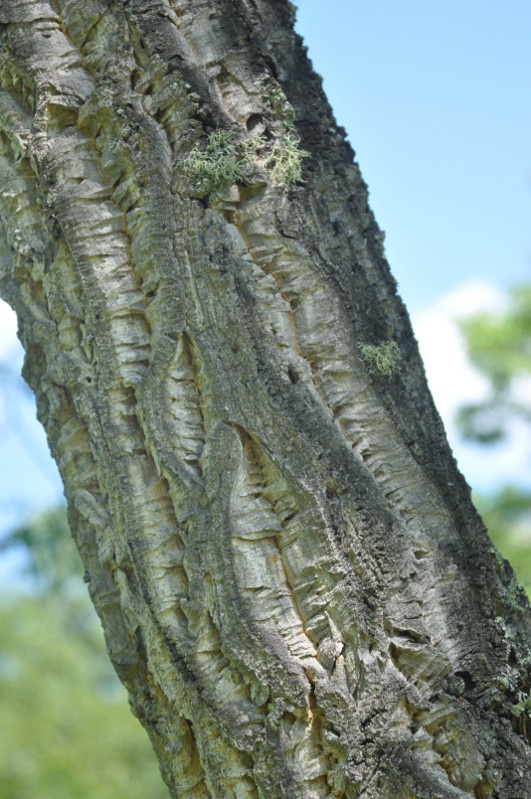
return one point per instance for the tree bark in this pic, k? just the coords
(294, 585)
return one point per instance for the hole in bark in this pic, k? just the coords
(253, 121)
(293, 376)
(467, 679)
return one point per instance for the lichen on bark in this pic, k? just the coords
(294, 585)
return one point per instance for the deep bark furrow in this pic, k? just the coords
(282, 552)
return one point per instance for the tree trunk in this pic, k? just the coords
(294, 585)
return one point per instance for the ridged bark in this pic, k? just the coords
(294, 585)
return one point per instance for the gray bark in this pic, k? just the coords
(294, 585)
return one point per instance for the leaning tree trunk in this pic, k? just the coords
(293, 583)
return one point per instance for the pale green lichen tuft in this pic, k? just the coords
(284, 161)
(247, 149)
(523, 705)
(382, 358)
(223, 162)
(217, 165)
(281, 106)
(516, 591)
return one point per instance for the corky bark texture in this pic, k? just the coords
(295, 588)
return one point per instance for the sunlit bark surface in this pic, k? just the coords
(294, 586)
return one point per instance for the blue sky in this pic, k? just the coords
(435, 98)
(434, 95)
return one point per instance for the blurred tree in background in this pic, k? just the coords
(499, 346)
(67, 731)
(507, 515)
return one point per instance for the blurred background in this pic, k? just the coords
(434, 97)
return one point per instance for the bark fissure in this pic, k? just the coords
(294, 586)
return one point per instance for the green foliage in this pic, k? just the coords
(507, 516)
(53, 561)
(499, 345)
(67, 730)
(382, 358)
